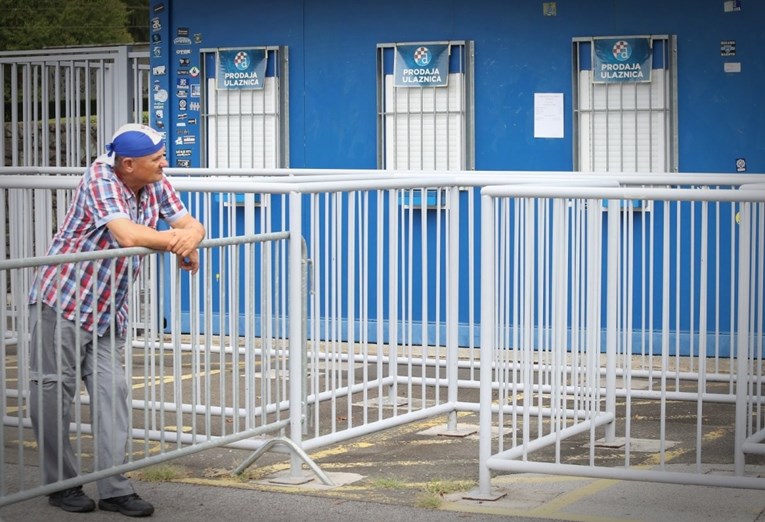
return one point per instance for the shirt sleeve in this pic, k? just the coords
(171, 207)
(105, 200)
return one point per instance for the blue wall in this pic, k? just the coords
(518, 51)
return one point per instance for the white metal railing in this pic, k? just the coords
(189, 392)
(557, 378)
(390, 327)
(61, 106)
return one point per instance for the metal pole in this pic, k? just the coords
(295, 310)
(742, 340)
(612, 281)
(452, 303)
(487, 342)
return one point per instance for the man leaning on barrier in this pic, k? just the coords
(118, 203)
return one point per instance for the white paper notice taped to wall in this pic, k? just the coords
(548, 115)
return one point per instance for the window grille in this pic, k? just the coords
(626, 126)
(424, 127)
(246, 128)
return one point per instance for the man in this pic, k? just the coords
(78, 313)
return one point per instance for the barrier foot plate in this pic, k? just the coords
(291, 481)
(487, 497)
(459, 432)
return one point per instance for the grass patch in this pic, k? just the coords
(388, 483)
(428, 501)
(161, 473)
(446, 487)
(436, 489)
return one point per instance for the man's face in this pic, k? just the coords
(146, 169)
(149, 168)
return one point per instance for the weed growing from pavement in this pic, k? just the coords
(436, 489)
(389, 483)
(162, 473)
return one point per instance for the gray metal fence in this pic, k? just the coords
(61, 106)
(384, 338)
(585, 326)
(187, 392)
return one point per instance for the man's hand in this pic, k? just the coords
(184, 241)
(190, 263)
(187, 233)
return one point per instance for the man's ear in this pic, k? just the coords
(127, 164)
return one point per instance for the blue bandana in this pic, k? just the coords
(134, 141)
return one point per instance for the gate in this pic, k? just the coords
(61, 106)
(587, 354)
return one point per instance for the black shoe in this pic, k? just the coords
(72, 499)
(130, 505)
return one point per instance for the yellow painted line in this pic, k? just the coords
(166, 380)
(483, 509)
(553, 507)
(655, 459)
(264, 471)
(553, 510)
(331, 452)
(241, 484)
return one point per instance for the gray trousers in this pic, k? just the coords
(100, 366)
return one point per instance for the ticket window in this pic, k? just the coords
(625, 117)
(245, 108)
(421, 125)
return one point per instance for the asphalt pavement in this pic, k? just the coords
(406, 473)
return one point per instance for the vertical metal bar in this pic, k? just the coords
(3, 145)
(487, 342)
(26, 123)
(742, 339)
(703, 296)
(559, 284)
(529, 295)
(350, 271)
(665, 330)
(14, 114)
(121, 78)
(295, 305)
(394, 240)
(452, 304)
(424, 280)
(612, 281)
(380, 248)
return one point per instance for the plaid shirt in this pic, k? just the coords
(100, 197)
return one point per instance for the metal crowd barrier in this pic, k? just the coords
(567, 363)
(188, 391)
(393, 325)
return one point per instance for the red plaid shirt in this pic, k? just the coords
(100, 197)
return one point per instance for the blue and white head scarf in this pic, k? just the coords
(132, 140)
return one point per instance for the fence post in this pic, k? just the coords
(122, 92)
(295, 311)
(452, 303)
(742, 339)
(487, 343)
(612, 300)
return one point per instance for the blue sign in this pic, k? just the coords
(620, 60)
(421, 65)
(242, 69)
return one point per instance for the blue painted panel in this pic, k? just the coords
(518, 52)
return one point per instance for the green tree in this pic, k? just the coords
(36, 24)
(138, 20)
